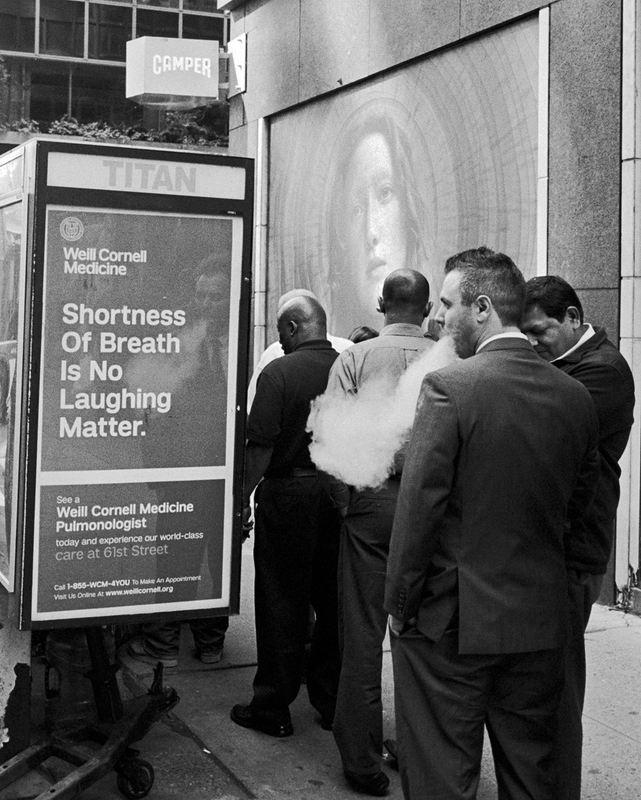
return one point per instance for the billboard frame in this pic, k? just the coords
(45, 196)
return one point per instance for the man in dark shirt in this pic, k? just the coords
(297, 530)
(554, 324)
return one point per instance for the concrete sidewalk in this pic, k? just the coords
(198, 753)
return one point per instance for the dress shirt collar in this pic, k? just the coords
(506, 335)
(589, 333)
(402, 329)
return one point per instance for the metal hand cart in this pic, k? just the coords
(97, 748)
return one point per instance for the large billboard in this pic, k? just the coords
(135, 435)
(404, 171)
(134, 396)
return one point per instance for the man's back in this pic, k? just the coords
(284, 392)
(605, 373)
(506, 444)
(385, 357)
(274, 351)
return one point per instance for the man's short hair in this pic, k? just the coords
(484, 272)
(304, 310)
(553, 295)
(292, 293)
(407, 289)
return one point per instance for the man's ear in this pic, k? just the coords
(381, 306)
(426, 311)
(483, 307)
(292, 327)
(572, 314)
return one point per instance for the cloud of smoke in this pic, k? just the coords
(356, 437)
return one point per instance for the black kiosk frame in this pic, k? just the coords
(134, 378)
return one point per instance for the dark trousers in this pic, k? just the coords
(584, 590)
(295, 558)
(443, 700)
(365, 535)
(162, 638)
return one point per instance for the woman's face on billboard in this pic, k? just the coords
(375, 225)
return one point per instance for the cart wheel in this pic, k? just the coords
(135, 779)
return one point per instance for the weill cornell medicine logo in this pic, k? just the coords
(72, 229)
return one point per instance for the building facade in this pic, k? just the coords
(67, 57)
(512, 124)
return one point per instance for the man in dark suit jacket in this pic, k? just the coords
(503, 452)
(555, 326)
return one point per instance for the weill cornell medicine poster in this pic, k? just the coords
(136, 418)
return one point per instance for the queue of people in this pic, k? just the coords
(486, 545)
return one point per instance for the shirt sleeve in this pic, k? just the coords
(265, 418)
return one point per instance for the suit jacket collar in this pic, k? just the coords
(592, 343)
(507, 343)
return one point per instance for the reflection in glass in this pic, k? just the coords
(10, 249)
(199, 5)
(17, 25)
(159, 3)
(98, 93)
(109, 30)
(50, 92)
(195, 27)
(62, 28)
(156, 23)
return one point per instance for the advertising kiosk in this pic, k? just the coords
(125, 283)
(124, 319)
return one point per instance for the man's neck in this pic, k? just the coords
(402, 319)
(311, 336)
(580, 332)
(583, 331)
(497, 330)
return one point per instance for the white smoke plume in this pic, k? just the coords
(356, 437)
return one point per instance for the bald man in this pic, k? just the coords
(297, 530)
(367, 527)
(274, 350)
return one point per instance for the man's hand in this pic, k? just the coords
(398, 626)
(248, 522)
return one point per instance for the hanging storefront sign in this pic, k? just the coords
(172, 73)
